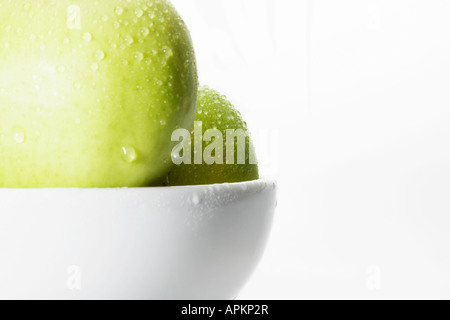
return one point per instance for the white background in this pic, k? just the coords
(350, 100)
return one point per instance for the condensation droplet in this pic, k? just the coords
(129, 154)
(139, 56)
(163, 123)
(139, 12)
(196, 199)
(61, 68)
(19, 135)
(168, 53)
(145, 32)
(94, 66)
(119, 10)
(129, 40)
(87, 36)
(116, 24)
(77, 85)
(99, 55)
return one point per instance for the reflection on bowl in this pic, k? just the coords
(199, 242)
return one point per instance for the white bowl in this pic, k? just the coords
(197, 242)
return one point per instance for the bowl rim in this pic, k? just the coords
(218, 185)
(260, 181)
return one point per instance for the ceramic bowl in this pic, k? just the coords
(196, 242)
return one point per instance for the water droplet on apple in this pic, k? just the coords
(94, 66)
(139, 12)
(129, 40)
(119, 10)
(139, 56)
(163, 123)
(61, 68)
(145, 32)
(116, 24)
(168, 53)
(129, 154)
(100, 55)
(19, 135)
(77, 85)
(87, 36)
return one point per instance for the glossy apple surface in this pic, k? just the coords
(215, 112)
(90, 92)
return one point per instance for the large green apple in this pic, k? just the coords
(216, 115)
(90, 91)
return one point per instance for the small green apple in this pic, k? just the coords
(215, 114)
(90, 92)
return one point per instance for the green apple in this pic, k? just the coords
(90, 92)
(215, 114)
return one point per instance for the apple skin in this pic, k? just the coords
(215, 112)
(91, 91)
